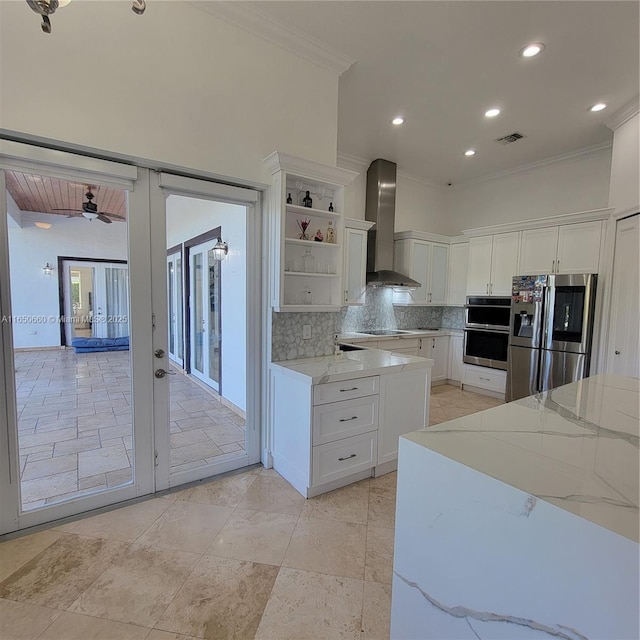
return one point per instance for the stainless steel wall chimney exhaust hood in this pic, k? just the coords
(381, 209)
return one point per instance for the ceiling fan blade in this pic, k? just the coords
(103, 218)
(78, 210)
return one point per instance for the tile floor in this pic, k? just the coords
(74, 424)
(242, 557)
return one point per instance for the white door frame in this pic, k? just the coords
(161, 186)
(69, 166)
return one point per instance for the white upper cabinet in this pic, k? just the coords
(570, 248)
(493, 261)
(458, 267)
(424, 261)
(355, 260)
(306, 267)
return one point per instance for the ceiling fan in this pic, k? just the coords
(90, 210)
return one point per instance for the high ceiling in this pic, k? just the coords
(441, 65)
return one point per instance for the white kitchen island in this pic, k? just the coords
(522, 521)
(337, 419)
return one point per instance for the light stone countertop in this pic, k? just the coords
(349, 365)
(357, 336)
(576, 447)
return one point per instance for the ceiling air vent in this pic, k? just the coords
(512, 137)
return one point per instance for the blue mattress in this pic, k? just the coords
(88, 345)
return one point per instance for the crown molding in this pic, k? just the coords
(264, 26)
(356, 223)
(539, 223)
(278, 161)
(625, 113)
(523, 168)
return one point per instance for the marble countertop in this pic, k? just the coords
(355, 336)
(576, 447)
(350, 364)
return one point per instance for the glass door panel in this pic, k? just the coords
(206, 431)
(72, 430)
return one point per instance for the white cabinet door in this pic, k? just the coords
(458, 266)
(403, 408)
(440, 355)
(504, 262)
(438, 275)
(455, 358)
(479, 272)
(579, 247)
(355, 266)
(538, 249)
(623, 348)
(420, 255)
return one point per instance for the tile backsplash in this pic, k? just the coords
(377, 313)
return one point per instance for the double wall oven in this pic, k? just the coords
(486, 331)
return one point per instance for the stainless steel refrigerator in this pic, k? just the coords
(550, 332)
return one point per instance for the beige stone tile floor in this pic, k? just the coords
(75, 430)
(239, 557)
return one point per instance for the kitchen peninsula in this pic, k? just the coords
(337, 419)
(522, 521)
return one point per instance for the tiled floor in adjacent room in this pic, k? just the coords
(241, 557)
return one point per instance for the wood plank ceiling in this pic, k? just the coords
(43, 195)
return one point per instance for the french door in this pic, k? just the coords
(175, 301)
(76, 424)
(207, 410)
(205, 314)
(119, 415)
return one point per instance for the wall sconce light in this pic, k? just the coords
(47, 269)
(220, 250)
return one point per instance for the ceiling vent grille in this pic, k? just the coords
(512, 137)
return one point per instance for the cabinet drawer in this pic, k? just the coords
(399, 344)
(336, 420)
(338, 459)
(345, 390)
(492, 379)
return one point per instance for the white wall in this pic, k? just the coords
(30, 248)
(568, 186)
(625, 167)
(190, 217)
(175, 85)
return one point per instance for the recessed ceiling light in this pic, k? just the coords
(398, 120)
(492, 113)
(532, 50)
(470, 152)
(43, 225)
(599, 106)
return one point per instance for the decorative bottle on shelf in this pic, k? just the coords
(331, 206)
(308, 262)
(307, 201)
(331, 233)
(289, 199)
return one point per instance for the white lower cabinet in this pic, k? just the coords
(492, 380)
(456, 353)
(329, 435)
(436, 348)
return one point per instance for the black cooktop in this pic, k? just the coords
(385, 332)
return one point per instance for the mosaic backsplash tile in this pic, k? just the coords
(377, 313)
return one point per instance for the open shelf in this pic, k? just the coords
(317, 213)
(311, 243)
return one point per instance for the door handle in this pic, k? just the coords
(617, 353)
(553, 266)
(558, 266)
(161, 373)
(159, 353)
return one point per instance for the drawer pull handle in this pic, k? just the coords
(353, 455)
(487, 379)
(347, 419)
(352, 389)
